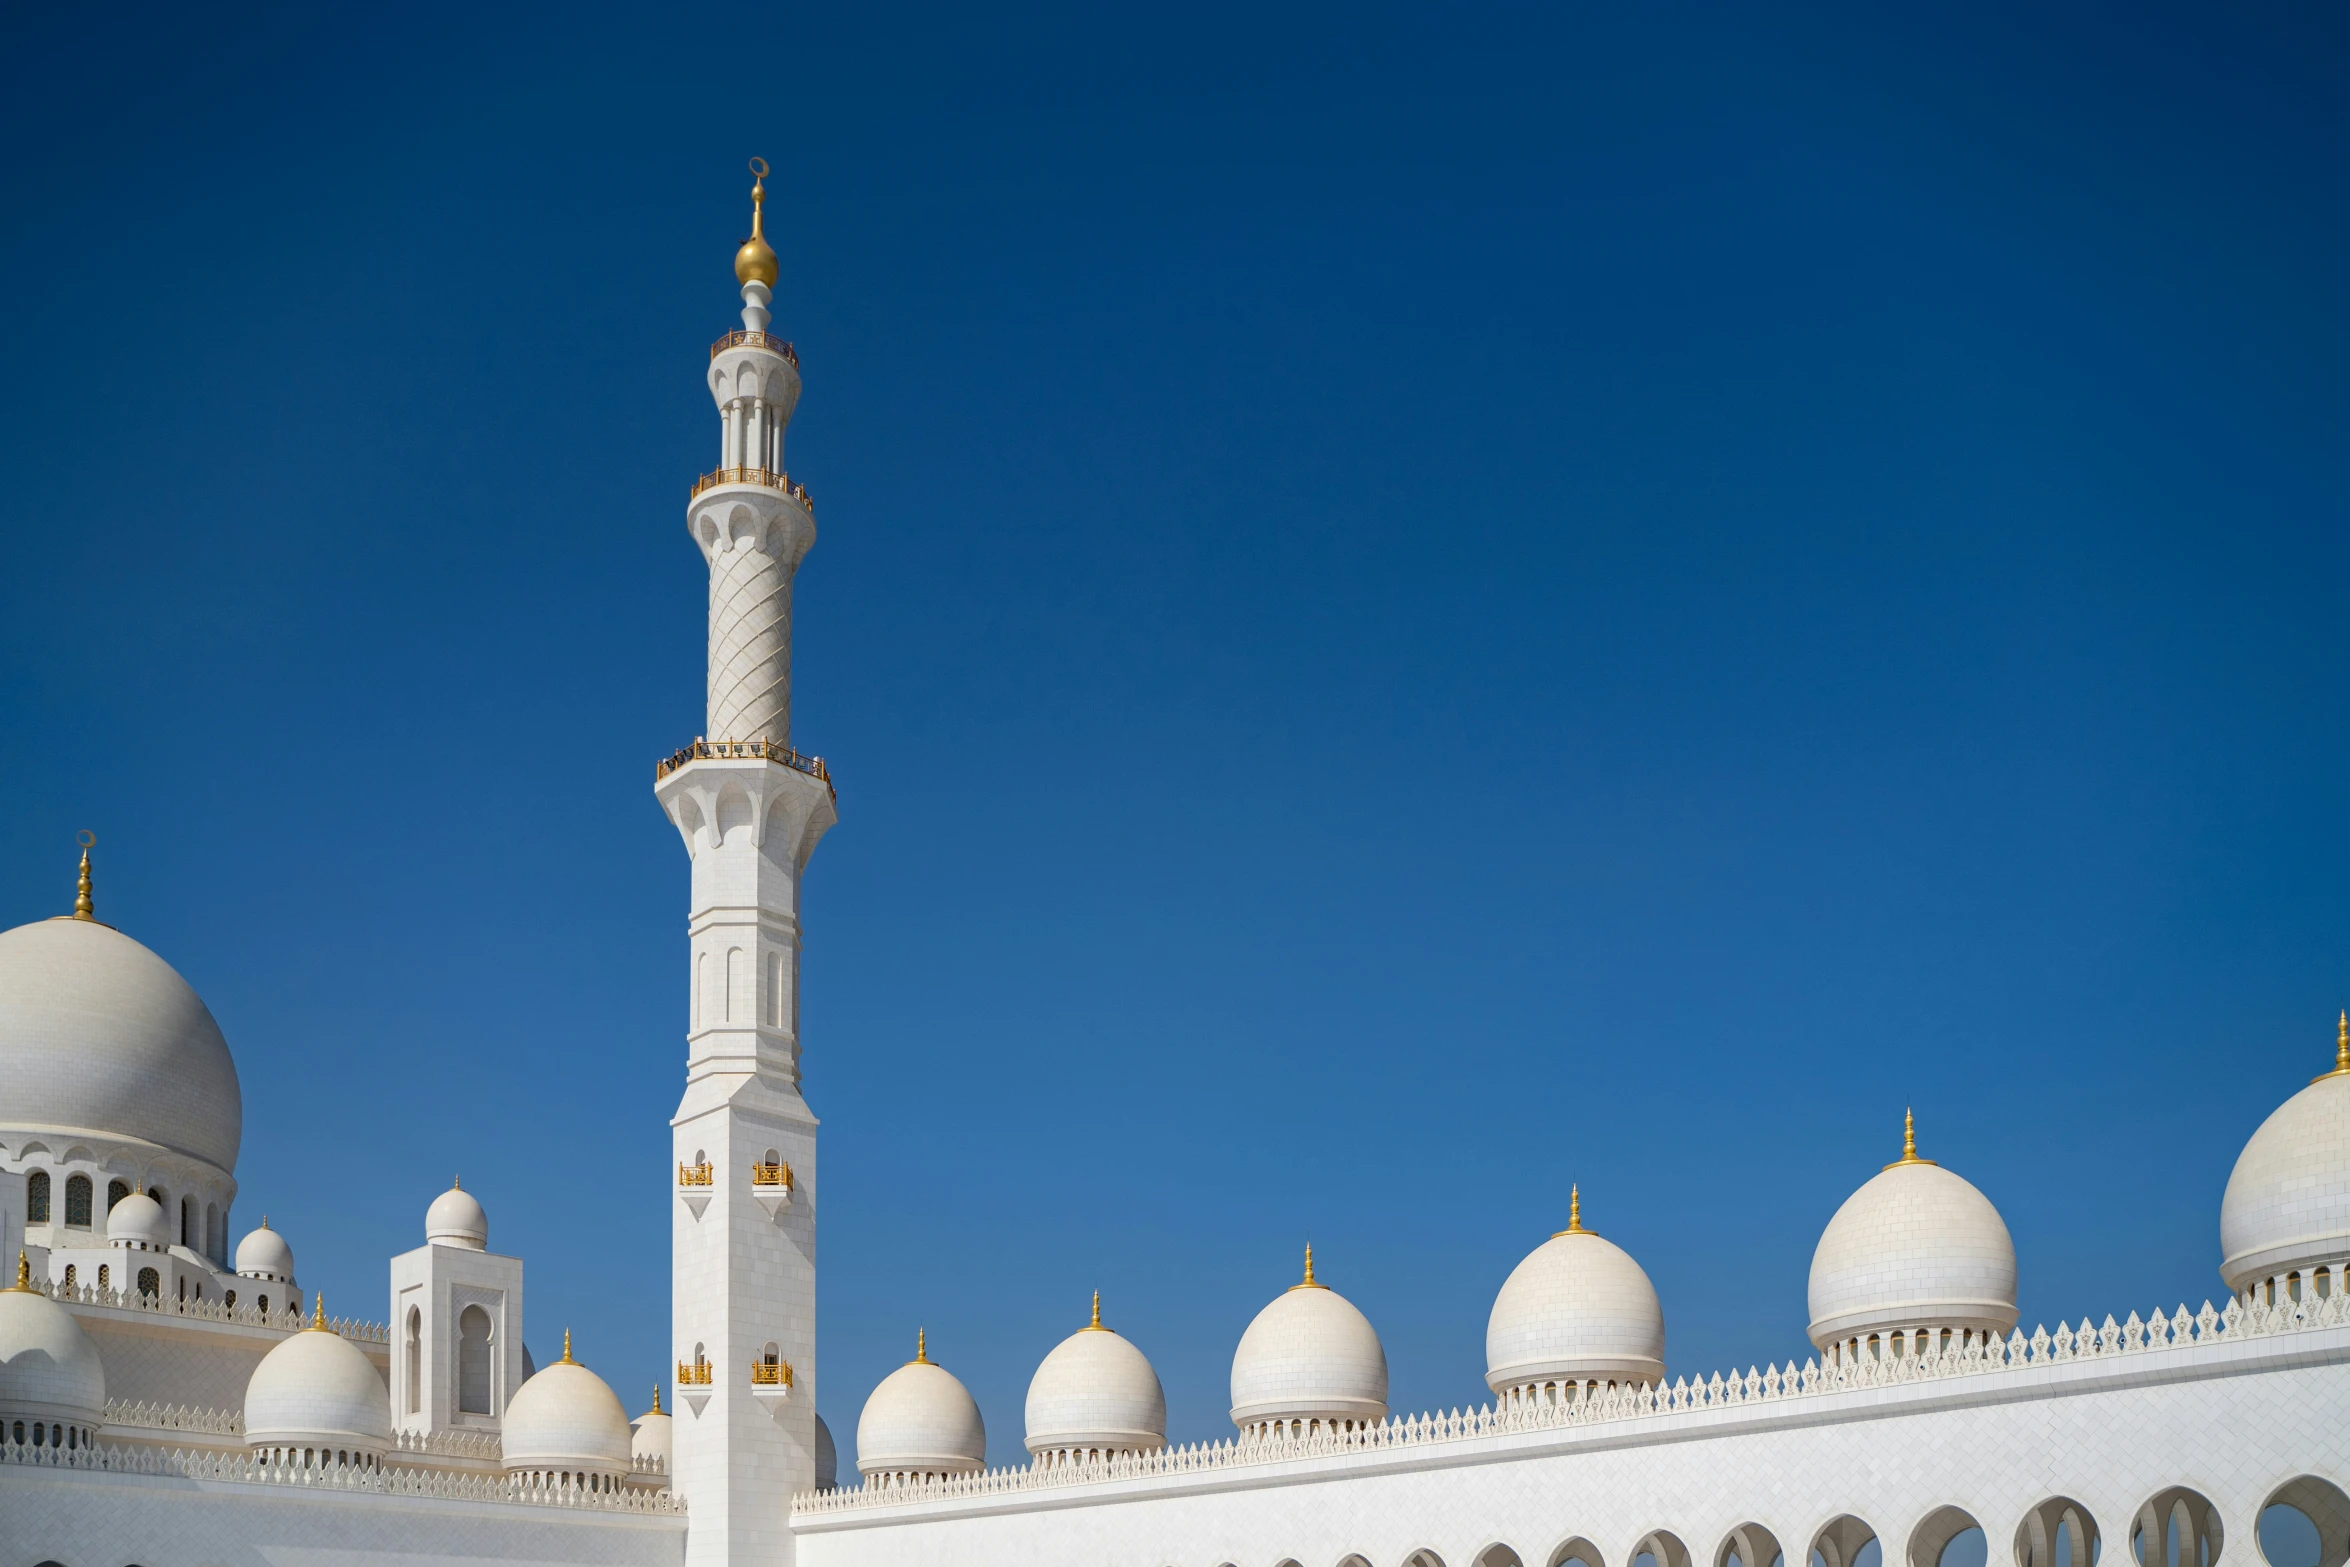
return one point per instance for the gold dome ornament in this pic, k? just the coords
(755, 262)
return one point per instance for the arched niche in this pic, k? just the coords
(2058, 1533)
(1579, 1550)
(2305, 1523)
(1845, 1541)
(1749, 1545)
(2176, 1528)
(1423, 1558)
(1948, 1537)
(1660, 1548)
(1499, 1555)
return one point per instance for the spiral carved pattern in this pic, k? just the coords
(750, 644)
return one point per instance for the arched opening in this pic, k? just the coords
(2176, 1528)
(188, 1236)
(215, 1240)
(36, 1197)
(1498, 1555)
(412, 1354)
(1846, 1542)
(2057, 1533)
(473, 1362)
(1354, 1561)
(105, 1277)
(116, 1191)
(1423, 1558)
(77, 1202)
(1749, 1545)
(1660, 1549)
(150, 1284)
(1949, 1537)
(2305, 1523)
(1580, 1550)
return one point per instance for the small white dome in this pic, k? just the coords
(48, 1366)
(2288, 1199)
(455, 1219)
(264, 1254)
(566, 1419)
(651, 1438)
(1096, 1392)
(318, 1390)
(138, 1220)
(100, 1036)
(827, 1457)
(1577, 1309)
(921, 1420)
(1915, 1247)
(1310, 1355)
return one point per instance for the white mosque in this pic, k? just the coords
(167, 1400)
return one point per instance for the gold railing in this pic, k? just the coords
(767, 340)
(771, 1175)
(694, 1174)
(695, 1374)
(771, 1373)
(766, 478)
(742, 751)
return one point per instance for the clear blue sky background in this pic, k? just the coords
(1413, 606)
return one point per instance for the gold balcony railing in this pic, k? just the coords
(694, 1174)
(766, 340)
(771, 1373)
(771, 1175)
(695, 1373)
(765, 478)
(742, 751)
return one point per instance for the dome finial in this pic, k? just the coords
(1574, 1213)
(567, 1360)
(1096, 1323)
(1909, 1141)
(1308, 1283)
(456, 1183)
(83, 908)
(656, 1398)
(24, 1275)
(318, 1311)
(755, 261)
(2341, 1052)
(921, 1347)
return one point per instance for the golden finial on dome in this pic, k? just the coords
(921, 1347)
(83, 908)
(1574, 1213)
(656, 1409)
(1909, 1141)
(1308, 1282)
(318, 1312)
(2341, 1052)
(755, 262)
(1095, 1326)
(567, 1360)
(456, 1183)
(24, 1275)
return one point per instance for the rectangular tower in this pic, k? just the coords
(750, 809)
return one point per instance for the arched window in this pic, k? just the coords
(215, 1233)
(116, 1191)
(69, 1275)
(150, 1282)
(188, 1236)
(265, 1308)
(105, 1278)
(473, 1362)
(415, 1371)
(155, 1195)
(77, 1201)
(36, 1197)
(231, 1299)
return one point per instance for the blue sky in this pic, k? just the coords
(1411, 607)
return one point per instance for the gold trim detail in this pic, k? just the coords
(771, 1373)
(765, 478)
(695, 1174)
(772, 1175)
(696, 1374)
(751, 337)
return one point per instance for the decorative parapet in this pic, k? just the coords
(771, 1175)
(766, 340)
(449, 1444)
(765, 478)
(2260, 1313)
(771, 1373)
(174, 1417)
(289, 1321)
(648, 1464)
(246, 1469)
(694, 1174)
(742, 751)
(693, 1373)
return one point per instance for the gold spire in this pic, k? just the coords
(567, 1360)
(1909, 1142)
(921, 1347)
(24, 1276)
(456, 1183)
(755, 262)
(2341, 1052)
(1574, 1213)
(1308, 1283)
(318, 1312)
(656, 1409)
(1095, 1326)
(83, 908)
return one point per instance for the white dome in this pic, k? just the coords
(1096, 1391)
(921, 1420)
(566, 1419)
(138, 1220)
(455, 1219)
(827, 1457)
(264, 1254)
(2288, 1199)
(651, 1438)
(317, 1390)
(1577, 1309)
(1309, 1356)
(99, 1036)
(48, 1366)
(1915, 1247)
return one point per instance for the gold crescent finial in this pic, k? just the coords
(83, 908)
(755, 261)
(2341, 1052)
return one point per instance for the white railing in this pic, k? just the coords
(175, 1417)
(212, 1311)
(1978, 1356)
(242, 1469)
(448, 1444)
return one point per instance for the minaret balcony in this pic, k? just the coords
(771, 1382)
(772, 1185)
(743, 751)
(766, 340)
(765, 478)
(696, 1184)
(693, 1383)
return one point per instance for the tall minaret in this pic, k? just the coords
(750, 808)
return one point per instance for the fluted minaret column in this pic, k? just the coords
(751, 810)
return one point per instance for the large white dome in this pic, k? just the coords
(2288, 1200)
(1096, 1392)
(1916, 1247)
(315, 1390)
(567, 1420)
(1309, 1356)
(1578, 1309)
(921, 1420)
(49, 1369)
(99, 1036)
